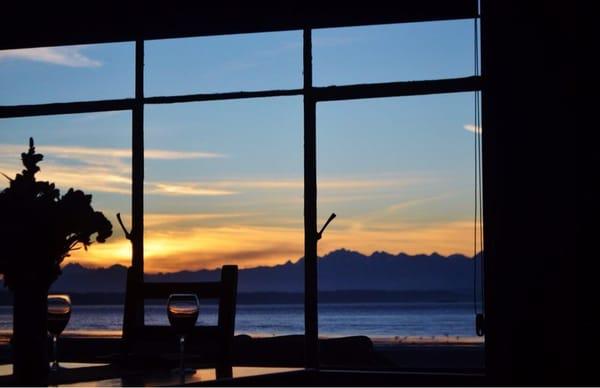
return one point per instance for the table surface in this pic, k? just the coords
(91, 375)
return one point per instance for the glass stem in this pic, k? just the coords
(181, 349)
(55, 351)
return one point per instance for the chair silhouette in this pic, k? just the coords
(215, 342)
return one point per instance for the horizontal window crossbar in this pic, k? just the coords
(221, 96)
(326, 93)
(397, 89)
(66, 108)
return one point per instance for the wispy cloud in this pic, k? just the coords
(345, 184)
(472, 128)
(323, 183)
(106, 170)
(94, 179)
(230, 187)
(171, 155)
(65, 56)
(174, 220)
(85, 152)
(188, 188)
(282, 184)
(112, 178)
(414, 202)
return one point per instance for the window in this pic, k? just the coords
(229, 192)
(235, 173)
(396, 265)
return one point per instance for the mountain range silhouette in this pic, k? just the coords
(338, 270)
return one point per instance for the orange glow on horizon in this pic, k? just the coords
(247, 246)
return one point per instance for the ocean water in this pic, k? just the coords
(335, 319)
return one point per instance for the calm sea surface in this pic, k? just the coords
(371, 319)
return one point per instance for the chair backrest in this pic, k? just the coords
(225, 290)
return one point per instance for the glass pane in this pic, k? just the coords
(224, 63)
(90, 152)
(396, 52)
(67, 73)
(396, 264)
(228, 190)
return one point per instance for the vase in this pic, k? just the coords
(30, 334)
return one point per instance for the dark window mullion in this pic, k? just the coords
(310, 211)
(137, 198)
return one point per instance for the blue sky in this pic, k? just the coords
(224, 179)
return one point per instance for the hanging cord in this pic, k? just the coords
(475, 179)
(478, 211)
(480, 137)
(475, 208)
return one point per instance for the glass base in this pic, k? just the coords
(56, 368)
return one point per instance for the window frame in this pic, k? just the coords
(311, 95)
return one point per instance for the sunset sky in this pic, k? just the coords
(224, 180)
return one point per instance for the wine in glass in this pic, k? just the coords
(59, 312)
(182, 310)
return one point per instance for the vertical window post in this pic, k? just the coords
(137, 189)
(311, 327)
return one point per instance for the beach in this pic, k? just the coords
(411, 336)
(406, 353)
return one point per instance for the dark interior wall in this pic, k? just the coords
(97, 21)
(529, 191)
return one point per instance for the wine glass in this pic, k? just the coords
(182, 310)
(59, 312)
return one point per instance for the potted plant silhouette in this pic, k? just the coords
(39, 228)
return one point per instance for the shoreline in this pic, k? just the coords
(414, 353)
(378, 341)
(263, 299)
